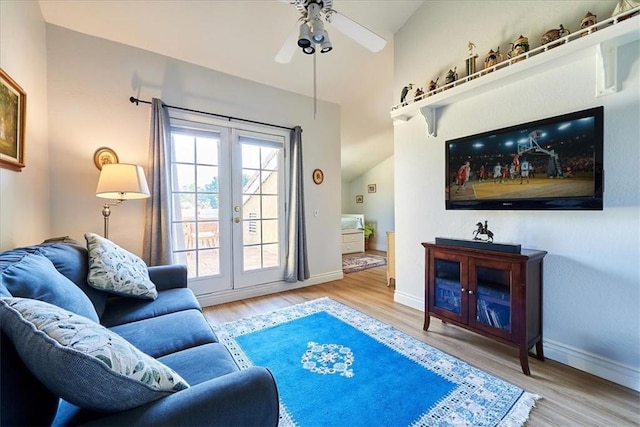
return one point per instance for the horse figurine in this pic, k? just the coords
(483, 230)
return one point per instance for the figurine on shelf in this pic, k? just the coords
(433, 85)
(624, 6)
(553, 35)
(451, 76)
(405, 92)
(491, 59)
(518, 47)
(483, 230)
(588, 20)
(471, 60)
(418, 95)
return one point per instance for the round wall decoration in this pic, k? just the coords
(318, 176)
(104, 155)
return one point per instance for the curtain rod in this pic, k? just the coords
(137, 101)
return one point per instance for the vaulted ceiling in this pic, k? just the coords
(242, 38)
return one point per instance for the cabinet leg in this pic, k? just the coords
(427, 320)
(539, 352)
(524, 359)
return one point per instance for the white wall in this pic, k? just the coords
(24, 196)
(591, 274)
(378, 207)
(90, 82)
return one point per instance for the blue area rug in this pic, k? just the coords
(335, 366)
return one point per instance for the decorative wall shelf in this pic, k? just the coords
(602, 39)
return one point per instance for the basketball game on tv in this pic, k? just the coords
(554, 163)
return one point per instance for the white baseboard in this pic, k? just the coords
(222, 297)
(378, 246)
(594, 364)
(410, 300)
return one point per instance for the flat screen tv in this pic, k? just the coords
(553, 163)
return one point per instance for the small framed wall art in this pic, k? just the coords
(13, 110)
(372, 188)
(318, 176)
(359, 198)
(103, 156)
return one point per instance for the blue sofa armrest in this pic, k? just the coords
(168, 276)
(244, 398)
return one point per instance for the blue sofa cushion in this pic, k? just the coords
(180, 330)
(82, 361)
(25, 400)
(121, 310)
(73, 262)
(35, 277)
(199, 364)
(69, 259)
(116, 270)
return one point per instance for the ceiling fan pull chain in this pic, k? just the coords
(315, 104)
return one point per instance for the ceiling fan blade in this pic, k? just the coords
(285, 54)
(357, 32)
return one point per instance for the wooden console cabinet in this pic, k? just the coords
(495, 294)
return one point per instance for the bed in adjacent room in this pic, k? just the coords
(352, 233)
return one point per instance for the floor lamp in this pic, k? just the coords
(120, 181)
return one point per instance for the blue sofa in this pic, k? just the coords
(171, 329)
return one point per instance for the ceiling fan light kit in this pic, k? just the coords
(312, 32)
(326, 46)
(304, 40)
(318, 33)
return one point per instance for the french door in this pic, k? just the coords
(228, 205)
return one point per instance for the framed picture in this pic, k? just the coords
(104, 155)
(13, 109)
(318, 176)
(371, 188)
(359, 198)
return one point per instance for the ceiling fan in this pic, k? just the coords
(312, 33)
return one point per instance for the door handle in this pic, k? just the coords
(236, 219)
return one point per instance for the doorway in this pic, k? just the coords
(228, 204)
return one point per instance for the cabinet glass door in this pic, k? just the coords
(493, 298)
(447, 286)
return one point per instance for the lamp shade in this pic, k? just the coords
(122, 181)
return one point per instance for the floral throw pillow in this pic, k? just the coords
(115, 270)
(84, 362)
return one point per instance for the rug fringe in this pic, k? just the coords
(519, 414)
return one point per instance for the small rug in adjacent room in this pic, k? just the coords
(353, 263)
(336, 366)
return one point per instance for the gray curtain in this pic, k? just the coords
(156, 248)
(297, 265)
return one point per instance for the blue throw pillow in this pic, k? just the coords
(35, 277)
(83, 362)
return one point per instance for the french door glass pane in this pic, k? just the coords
(183, 148)
(195, 176)
(260, 212)
(208, 262)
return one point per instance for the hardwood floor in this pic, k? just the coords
(569, 397)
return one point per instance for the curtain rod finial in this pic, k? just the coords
(133, 100)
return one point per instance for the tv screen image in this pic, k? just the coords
(553, 163)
